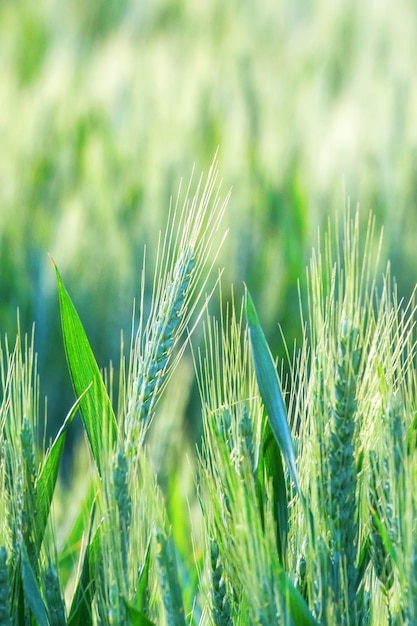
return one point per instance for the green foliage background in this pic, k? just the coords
(105, 105)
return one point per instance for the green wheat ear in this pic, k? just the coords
(163, 334)
(340, 451)
(181, 275)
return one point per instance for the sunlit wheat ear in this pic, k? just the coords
(21, 385)
(341, 287)
(162, 335)
(186, 255)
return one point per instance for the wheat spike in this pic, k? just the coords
(341, 503)
(181, 277)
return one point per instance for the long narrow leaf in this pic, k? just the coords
(299, 611)
(270, 467)
(143, 580)
(31, 591)
(136, 617)
(269, 388)
(95, 406)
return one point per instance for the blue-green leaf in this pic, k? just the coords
(136, 617)
(31, 591)
(143, 579)
(269, 388)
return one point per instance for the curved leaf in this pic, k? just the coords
(95, 406)
(269, 388)
(31, 590)
(270, 467)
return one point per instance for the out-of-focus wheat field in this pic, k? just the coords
(105, 105)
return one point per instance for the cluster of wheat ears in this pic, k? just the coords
(305, 483)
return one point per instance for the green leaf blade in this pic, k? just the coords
(136, 617)
(32, 592)
(143, 581)
(95, 406)
(269, 388)
(297, 606)
(271, 468)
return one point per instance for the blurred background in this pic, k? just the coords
(105, 105)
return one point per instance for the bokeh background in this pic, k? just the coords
(105, 105)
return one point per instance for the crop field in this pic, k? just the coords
(207, 313)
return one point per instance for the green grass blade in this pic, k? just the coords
(143, 579)
(270, 467)
(46, 481)
(269, 388)
(297, 606)
(32, 592)
(386, 540)
(95, 406)
(136, 617)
